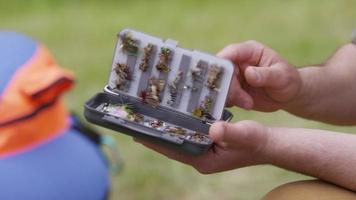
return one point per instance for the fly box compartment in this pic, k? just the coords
(160, 92)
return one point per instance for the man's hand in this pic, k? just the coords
(235, 145)
(269, 83)
(263, 80)
(323, 154)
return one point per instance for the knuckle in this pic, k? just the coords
(203, 167)
(284, 74)
(253, 135)
(254, 43)
(250, 129)
(227, 51)
(288, 76)
(249, 125)
(232, 46)
(203, 170)
(284, 80)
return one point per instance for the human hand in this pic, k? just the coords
(247, 143)
(235, 145)
(263, 80)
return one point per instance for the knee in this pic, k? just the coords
(308, 190)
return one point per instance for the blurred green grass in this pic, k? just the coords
(81, 35)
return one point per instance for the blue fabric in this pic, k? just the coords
(15, 50)
(70, 167)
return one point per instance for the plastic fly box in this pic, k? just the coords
(160, 92)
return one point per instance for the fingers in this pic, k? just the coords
(271, 72)
(244, 134)
(243, 54)
(187, 159)
(203, 163)
(275, 76)
(239, 97)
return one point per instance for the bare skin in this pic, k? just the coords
(266, 82)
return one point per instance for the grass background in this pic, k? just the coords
(81, 35)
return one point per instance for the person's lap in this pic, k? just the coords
(309, 190)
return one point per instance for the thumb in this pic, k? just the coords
(244, 134)
(274, 76)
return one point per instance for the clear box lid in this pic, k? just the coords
(161, 73)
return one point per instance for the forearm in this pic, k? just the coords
(328, 92)
(326, 155)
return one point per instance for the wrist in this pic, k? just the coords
(277, 146)
(310, 92)
(263, 155)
